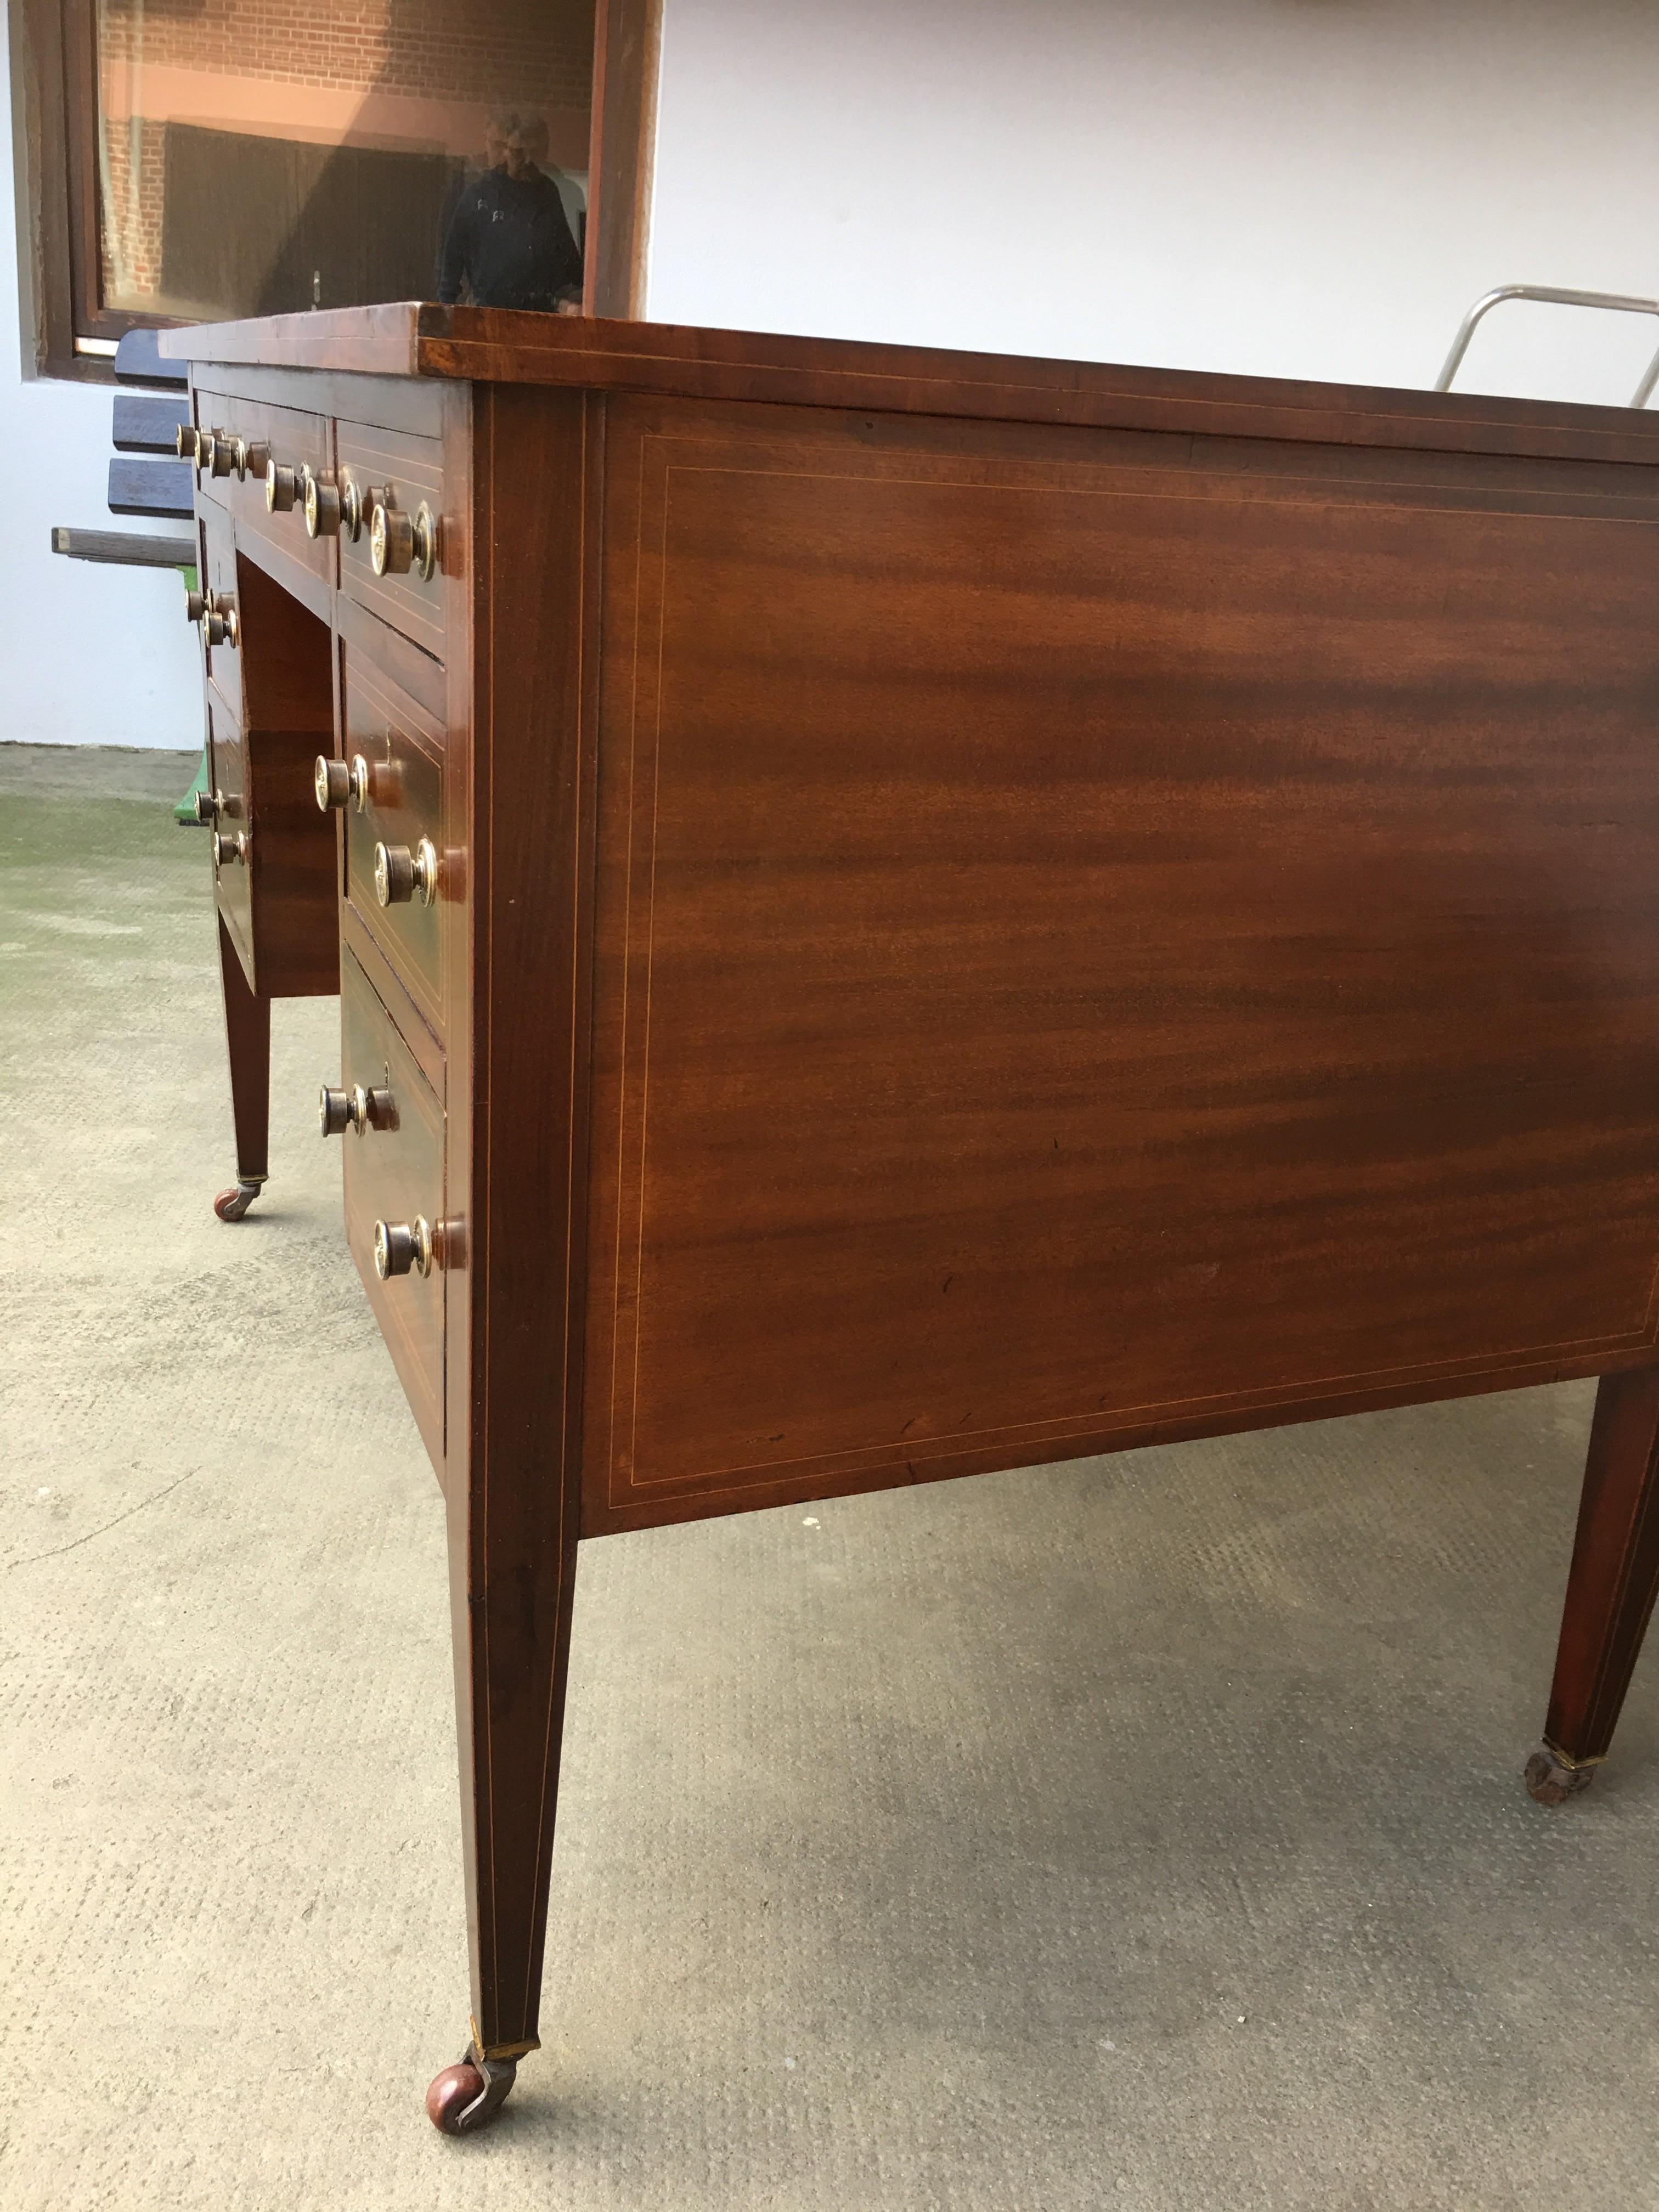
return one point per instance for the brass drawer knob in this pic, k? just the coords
(207, 806)
(401, 875)
(399, 543)
(322, 506)
(358, 503)
(282, 488)
(226, 850)
(221, 454)
(402, 1247)
(341, 783)
(203, 455)
(372, 1108)
(185, 439)
(359, 1108)
(220, 623)
(252, 458)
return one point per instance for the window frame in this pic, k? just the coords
(68, 331)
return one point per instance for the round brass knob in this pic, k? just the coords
(339, 782)
(359, 1108)
(399, 543)
(358, 503)
(227, 849)
(195, 606)
(282, 488)
(426, 542)
(401, 875)
(207, 806)
(322, 506)
(403, 1247)
(185, 439)
(203, 452)
(223, 459)
(391, 541)
(373, 1108)
(229, 622)
(253, 460)
(213, 625)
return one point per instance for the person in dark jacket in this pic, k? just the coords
(509, 242)
(498, 128)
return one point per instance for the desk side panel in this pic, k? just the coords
(1104, 935)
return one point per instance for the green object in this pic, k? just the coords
(185, 810)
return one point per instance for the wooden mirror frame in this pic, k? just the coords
(67, 330)
(627, 44)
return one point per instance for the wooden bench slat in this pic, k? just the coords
(148, 422)
(130, 549)
(137, 362)
(162, 489)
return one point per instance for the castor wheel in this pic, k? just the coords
(232, 1204)
(1552, 1781)
(464, 2099)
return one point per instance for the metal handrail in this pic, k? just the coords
(1554, 296)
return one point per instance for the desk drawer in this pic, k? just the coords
(233, 874)
(394, 1174)
(276, 538)
(401, 810)
(406, 473)
(216, 579)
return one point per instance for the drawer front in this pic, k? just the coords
(233, 877)
(403, 808)
(216, 576)
(406, 471)
(308, 566)
(394, 1173)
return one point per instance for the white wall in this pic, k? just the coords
(87, 656)
(1312, 188)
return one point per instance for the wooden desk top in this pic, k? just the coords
(419, 339)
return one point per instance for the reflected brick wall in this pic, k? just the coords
(415, 76)
(482, 51)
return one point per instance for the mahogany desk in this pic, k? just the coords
(904, 913)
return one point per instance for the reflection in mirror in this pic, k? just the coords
(256, 160)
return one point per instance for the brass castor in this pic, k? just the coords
(1552, 1781)
(465, 2098)
(232, 1204)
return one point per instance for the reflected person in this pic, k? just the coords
(509, 243)
(499, 127)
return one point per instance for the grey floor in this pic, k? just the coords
(1144, 1831)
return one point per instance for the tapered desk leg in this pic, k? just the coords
(521, 764)
(247, 1030)
(512, 1576)
(1610, 1589)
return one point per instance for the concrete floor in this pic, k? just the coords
(1145, 1832)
